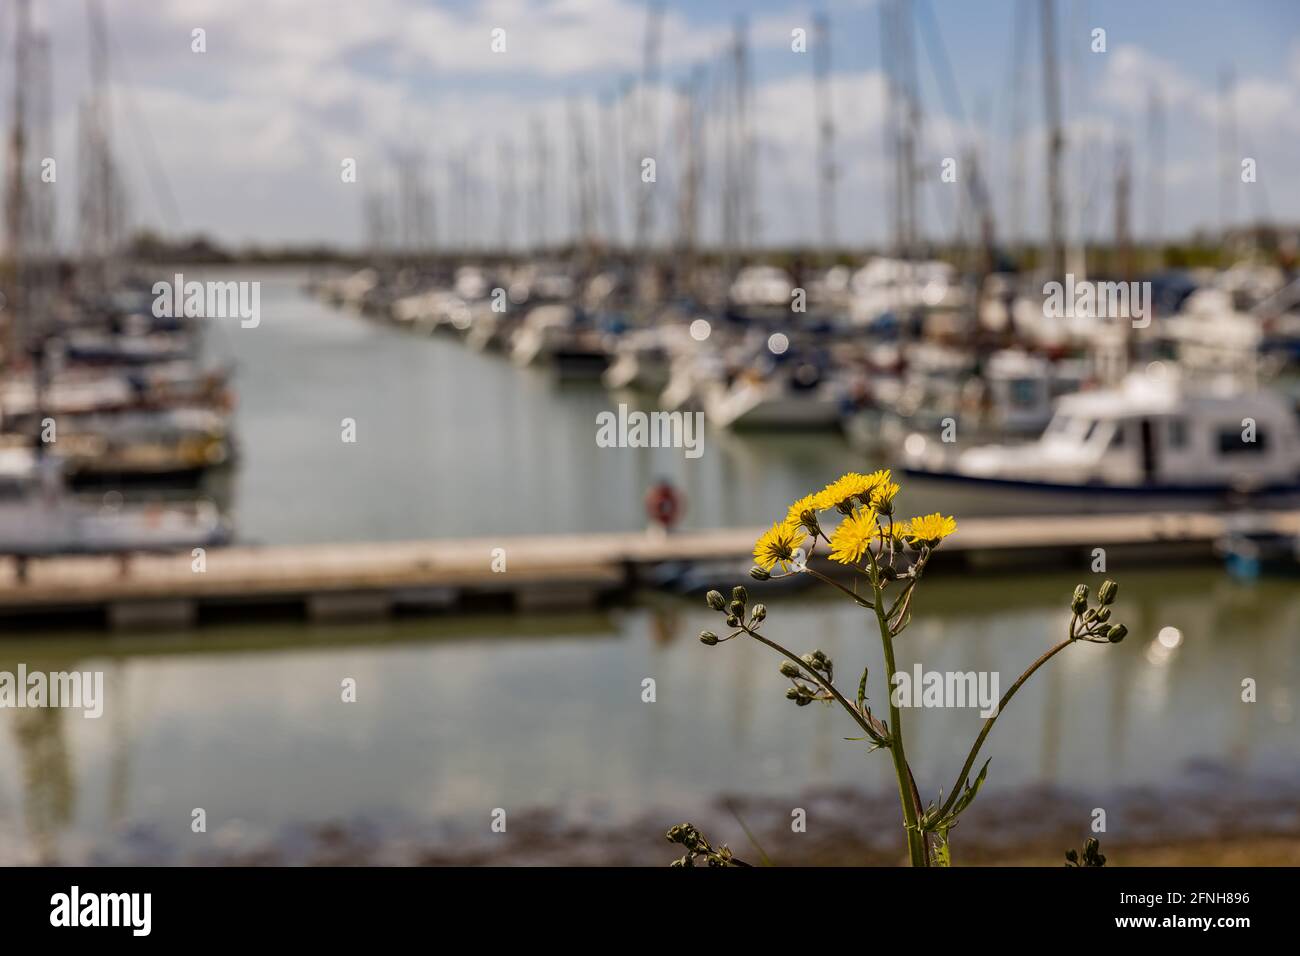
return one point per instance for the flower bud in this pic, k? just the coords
(758, 574)
(733, 621)
(684, 834)
(792, 694)
(1079, 603)
(708, 638)
(789, 669)
(1116, 633)
(760, 612)
(736, 607)
(1103, 615)
(715, 600)
(1106, 593)
(738, 593)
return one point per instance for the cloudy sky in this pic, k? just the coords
(245, 141)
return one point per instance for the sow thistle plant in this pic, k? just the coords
(886, 559)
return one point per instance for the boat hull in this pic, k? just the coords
(1006, 496)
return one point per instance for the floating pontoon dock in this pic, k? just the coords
(529, 573)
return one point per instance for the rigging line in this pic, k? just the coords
(941, 67)
(940, 64)
(1258, 192)
(158, 177)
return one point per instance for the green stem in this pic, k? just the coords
(826, 685)
(988, 724)
(857, 599)
(915, 838)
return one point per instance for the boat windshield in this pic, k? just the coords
(1070, 428)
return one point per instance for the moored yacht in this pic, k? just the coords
(561, 336)
(40, 516)
(776, 391)
(1151, 443)
(642, 358)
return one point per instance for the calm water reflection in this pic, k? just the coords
(455, 717)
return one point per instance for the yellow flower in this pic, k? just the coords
(778, 545)
(838, 493)
(931, 529)
(878, 477)
(882, 496)
(854, 535)
(803, 512)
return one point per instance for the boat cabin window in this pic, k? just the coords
(1059, 425)
(1233, 442)
(1068, 426)
(1176, 432)
(1024, 392)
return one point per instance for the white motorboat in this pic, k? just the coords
(39, 516)
(1153, 442)
(784, 390)
(553, 334)
(894, 286)
(642, 359)
(773, 402)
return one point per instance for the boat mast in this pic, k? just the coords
(16, 198)
(1227, 150)
(1156, 174)
(612, 168)
(649, 116)
(99, 194)
(541, 172)
(827, 172)
(1016, 164)
(582, 211)
(1123, 246)
(506, 205)
(1055, 144)
(688, 143)
(903, 109)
